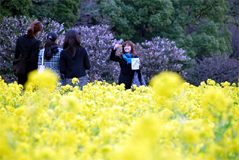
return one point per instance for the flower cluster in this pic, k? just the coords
(105, 121)
(159, 55)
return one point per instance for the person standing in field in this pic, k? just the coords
(125, 58)
(51, 54)
(29, 44)
(74, 60)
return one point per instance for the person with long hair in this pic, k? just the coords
(74, 60)
(51, 54)
(29, 44)
(124, 59)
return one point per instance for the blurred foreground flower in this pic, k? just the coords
(166, 83)
(46, 79)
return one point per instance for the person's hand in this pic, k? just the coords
(117, 46)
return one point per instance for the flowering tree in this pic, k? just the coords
(159, 55)
(218, 68)
(98, 41)
(156, 55)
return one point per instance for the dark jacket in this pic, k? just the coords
(125, 68)
(126, 73)
(74, 66)
(22, 46)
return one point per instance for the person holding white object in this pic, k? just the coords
(129, 63)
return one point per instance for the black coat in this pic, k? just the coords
(74, 66)
(22, 46)
(125, 68)
(126, 73)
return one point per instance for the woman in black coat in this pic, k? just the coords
(29, 44)
(124, 59)
(74, 59)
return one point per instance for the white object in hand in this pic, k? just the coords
(135, 63)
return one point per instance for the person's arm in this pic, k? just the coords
(62, 63)
(86, 60)
(113, 57)
(17, 51)
(34, 54)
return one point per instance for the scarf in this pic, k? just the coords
(127, 57)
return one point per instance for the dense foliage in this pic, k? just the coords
(98, 40)
(233, 21)
(218, 68)
(14, 8)
(196, 26)
(159, 55)
(199, 27)
(62, 11)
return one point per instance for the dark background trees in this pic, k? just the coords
(62, 11)
(233, 22)
(196, 26)
(201, 28)
(11, 8)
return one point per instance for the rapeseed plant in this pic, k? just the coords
(170, 119)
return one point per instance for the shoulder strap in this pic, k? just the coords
(42, 58)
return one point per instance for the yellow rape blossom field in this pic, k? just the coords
(170, 119)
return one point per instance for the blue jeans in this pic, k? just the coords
(82, 81)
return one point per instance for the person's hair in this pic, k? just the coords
(72, 42)
(35, 27)
(51, 38)
(132, 48)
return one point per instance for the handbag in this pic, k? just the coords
(41, 67)
(20, 64)
(138, 79)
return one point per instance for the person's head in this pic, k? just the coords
(128, 47)
(34, 29)
(72, 41)
(51, 40)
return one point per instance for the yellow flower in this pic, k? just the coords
(216, 99)
(47, 79)
(166, 83)
(70, 103)
(105, 121)
(75, 80)
(211, 82)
